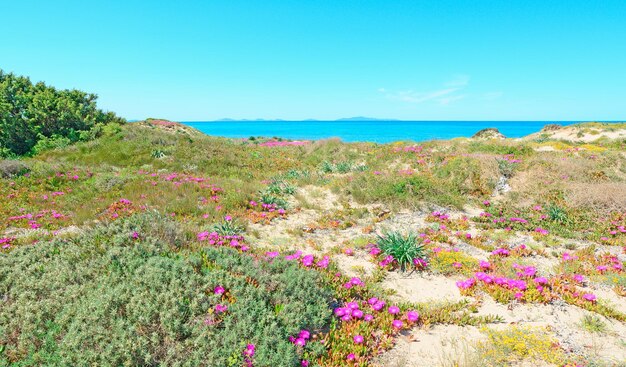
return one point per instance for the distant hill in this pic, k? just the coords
(356, 118)
(361, 118)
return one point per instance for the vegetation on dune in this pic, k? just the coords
(121, 295)
(139, 244)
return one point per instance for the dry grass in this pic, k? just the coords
(601, 197)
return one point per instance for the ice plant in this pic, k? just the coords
(412, 316)
(397, 324)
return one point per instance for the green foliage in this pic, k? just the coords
(270, 199)
(280, 187)
(104, 298)
(228, 228)
(403, 248)
(557, 214)
(36, 113)
(593, 324)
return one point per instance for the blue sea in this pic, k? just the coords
(379, 131)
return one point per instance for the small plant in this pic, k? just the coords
(506, 168)
(158, 154)
(405, 249)
(557, 214)
(343, 167)
(228, 227)
(593, 324)
(281, 187)
(269, 199)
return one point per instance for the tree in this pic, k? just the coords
(31, 112)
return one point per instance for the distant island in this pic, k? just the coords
(356, 118)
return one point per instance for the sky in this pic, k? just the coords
(406, 59)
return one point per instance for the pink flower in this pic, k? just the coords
(219, 308)
(397, 324)
(378, 305)
(219, 290)
(228, 218)
(249, 351)
(393, 310)
(568, 257)
(304, 363)
(457, 264)
(589, 297)
(351, 357)
(368, 317)
(358, 339)
(579, 278)
(135, 235)
(304, 334)
(484, 264)
(412, 316)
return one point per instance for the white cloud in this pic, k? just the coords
(444, 96)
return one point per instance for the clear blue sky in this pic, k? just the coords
(423, 60)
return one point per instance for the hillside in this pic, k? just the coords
(154, 244)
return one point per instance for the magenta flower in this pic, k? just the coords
(304, 334)
(397, 324)
(372, 301)
(378, 305)
(358, 339)
(220, 308)
(304, 363)
(300, 341)
(579, 278)
(589, 297)
(357, 314)
(484, 264)
(219, 290)
(368, 317)
(412, 316)
(393, 310)
(351, 357)
(249, 351)
(272, 254)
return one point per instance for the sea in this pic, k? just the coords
(379, 131)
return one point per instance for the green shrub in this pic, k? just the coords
(30, 113)
(106, 298)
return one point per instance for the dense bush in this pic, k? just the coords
(119, 295)
(10, 168)
(37, 115)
